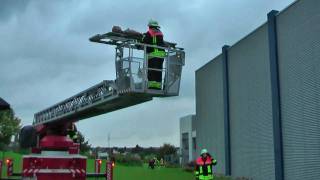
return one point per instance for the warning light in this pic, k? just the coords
(97, 165)
(9, 167)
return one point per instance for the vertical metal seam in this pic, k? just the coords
(226, 109)
(275, 92)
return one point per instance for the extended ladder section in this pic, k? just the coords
(130, 87)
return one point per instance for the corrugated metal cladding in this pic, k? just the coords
(299, 69)
(209, 109)
(251, 133)
(250, 100)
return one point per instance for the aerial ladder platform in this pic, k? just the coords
(130, 86)
(54, 155)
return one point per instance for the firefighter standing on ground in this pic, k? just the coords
(155, 55)
(204, 166)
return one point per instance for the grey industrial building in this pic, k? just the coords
(187, 139)
(258, 102)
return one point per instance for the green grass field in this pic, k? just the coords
(144, 173)
(121, 172)
(16, 159)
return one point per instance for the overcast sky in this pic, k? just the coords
(45, 56)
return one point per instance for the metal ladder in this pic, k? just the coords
(129, 88)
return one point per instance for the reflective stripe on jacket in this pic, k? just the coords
(204, 168)
(154, 37)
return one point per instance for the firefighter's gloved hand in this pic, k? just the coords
(214, 162)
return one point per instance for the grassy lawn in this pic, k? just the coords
(144, 173)
(120, 172)
(17, 163)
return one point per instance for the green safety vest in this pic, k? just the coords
(156, 53)
(200, 175)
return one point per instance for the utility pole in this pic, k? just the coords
(109, 144)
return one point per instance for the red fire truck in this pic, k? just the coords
(54, 154)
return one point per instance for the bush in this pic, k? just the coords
(190, 167)
(129, 159)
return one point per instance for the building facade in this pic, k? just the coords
(187, 139)
(257, 103)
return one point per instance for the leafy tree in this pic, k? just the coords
(167, 149)
(9, 126)
(137, 149)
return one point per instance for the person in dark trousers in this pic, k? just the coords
(155, 55)
(204, 166)
(152, 163)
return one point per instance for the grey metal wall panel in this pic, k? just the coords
(299, 70)
(251, 134)
(194, 122)
(209, 111)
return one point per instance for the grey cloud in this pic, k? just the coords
(9, 8)
(45, 56)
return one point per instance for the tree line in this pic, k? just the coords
(10, 126)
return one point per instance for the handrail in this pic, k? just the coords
(102, 93)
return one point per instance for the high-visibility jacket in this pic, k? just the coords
(154, 37)
(204, 168)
